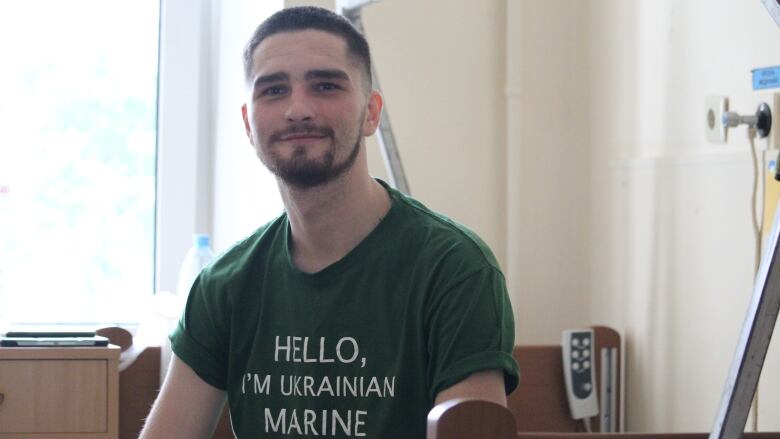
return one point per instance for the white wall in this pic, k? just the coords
(672, 246)
(673, 209)
(623, 214)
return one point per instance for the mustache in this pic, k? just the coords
(301, 129)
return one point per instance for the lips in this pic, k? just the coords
(302, 137)
(302, 133)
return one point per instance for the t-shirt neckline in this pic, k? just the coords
(364, 247)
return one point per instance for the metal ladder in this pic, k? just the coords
(753, 344)
(351, 10)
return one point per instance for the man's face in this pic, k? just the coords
(308, 109)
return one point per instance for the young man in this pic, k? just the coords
(358, 309)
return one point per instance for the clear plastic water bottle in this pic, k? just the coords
(197, 257)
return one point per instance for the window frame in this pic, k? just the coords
(184, 133)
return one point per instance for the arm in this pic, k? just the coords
(187, 406)
(471, 340)
(485, 384)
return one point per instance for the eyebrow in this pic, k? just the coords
(309, 75)
(272, 77)
(326, 74)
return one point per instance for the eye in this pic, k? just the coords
(274, 90)
(327, 86)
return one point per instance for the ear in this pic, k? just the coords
(373, 113)
(246, 123)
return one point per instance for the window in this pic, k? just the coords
(77, 159)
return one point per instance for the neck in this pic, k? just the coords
(329, 220)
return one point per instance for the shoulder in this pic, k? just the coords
(242, 255)
(435, 234)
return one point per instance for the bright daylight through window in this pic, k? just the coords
(78, 102)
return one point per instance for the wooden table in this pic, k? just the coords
(62, 393)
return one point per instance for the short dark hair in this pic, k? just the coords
(306, 18)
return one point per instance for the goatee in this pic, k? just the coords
(302, 172)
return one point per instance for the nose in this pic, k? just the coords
(300, 108)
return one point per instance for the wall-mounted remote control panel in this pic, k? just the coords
(579, 372)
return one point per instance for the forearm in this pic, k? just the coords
(487, 385)
(187, 407)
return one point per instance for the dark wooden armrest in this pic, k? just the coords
(470, 418)
(762, 435)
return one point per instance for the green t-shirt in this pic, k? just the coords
(359, 349)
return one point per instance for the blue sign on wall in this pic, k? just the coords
(767, 77)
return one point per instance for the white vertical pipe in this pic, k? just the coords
(513, 142)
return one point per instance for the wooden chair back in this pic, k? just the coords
(539, 404)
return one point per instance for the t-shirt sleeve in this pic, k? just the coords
(200, 339)
(471, 328)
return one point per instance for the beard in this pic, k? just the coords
(302, 171)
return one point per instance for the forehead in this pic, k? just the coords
(307, 49)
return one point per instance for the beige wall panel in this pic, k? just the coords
(548, 168)
(440, 66)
